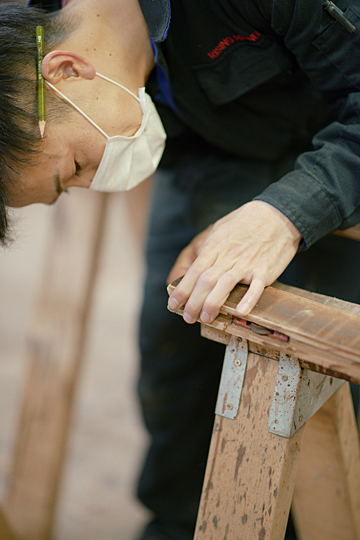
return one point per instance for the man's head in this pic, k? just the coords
(19, 133)
(79, 40)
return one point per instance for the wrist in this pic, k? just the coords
(283, 221)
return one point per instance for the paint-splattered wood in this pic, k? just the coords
(326, 336)
(250, 473)
(55, 349)
(326, 503)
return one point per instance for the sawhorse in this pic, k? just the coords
(267, 397)
(56, 351)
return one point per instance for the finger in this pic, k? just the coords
(183, 291)
(182, 264)
(250, 299)
(218, 296)
(204, 285)
(188, 256)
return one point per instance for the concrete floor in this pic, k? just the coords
(107, 439)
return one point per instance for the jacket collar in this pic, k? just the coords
(157, 15)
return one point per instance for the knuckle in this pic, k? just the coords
(207, 279)
(228, 279)
(211, 308)
(197, 268)
(180, 296)
(192, 310)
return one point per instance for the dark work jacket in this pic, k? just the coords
(255, 77)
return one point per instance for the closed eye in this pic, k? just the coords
(77, 169)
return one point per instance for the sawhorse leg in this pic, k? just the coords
(56, 349)
(251, 473)
(326, 503)
(5, 533)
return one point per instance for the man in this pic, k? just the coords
(242, 87)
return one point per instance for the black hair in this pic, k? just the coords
(19, 132)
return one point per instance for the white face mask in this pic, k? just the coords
(127, 161)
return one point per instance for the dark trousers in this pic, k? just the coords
(180, 371)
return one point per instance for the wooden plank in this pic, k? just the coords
(220, 336)
(351, 232)
(216, 333)
(326, 502)
(333, 332)
(55, 350)
(5, 532)
(342, 305)
(321, 363)
(250, 472)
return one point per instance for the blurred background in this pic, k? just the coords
(106, 440)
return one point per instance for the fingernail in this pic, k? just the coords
(173, 303)
(205, 317)
(244, 309)
(187, 318)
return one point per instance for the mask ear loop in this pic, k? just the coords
(78, 109)
(117, 84)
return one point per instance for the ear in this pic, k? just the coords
(60, 65)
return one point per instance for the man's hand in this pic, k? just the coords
(252, 245)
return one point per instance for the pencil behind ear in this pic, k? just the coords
(63, 65)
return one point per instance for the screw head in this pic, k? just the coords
(238, 363)
(284, 378)
(229, 406)
(239, 339)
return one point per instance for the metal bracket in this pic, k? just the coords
(298, 394)
(232, 377)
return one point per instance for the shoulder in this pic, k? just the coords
(282, 16)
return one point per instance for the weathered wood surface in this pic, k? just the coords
(55, 349)
(250, 473)
(5, 533)
(352, 232)
(325, 333)
(326, 503)
(326, 336)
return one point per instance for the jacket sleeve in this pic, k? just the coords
(322, 193)
(47, 5)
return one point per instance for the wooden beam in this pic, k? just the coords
(310, 324)
(55, 350)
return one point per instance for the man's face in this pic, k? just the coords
(71, 153)
(69, 158)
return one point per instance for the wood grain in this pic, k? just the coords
(322, 331)
(250, 473)
(326, 502)
(55, 351)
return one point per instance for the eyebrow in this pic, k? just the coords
(59, 189)
(56, 180)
